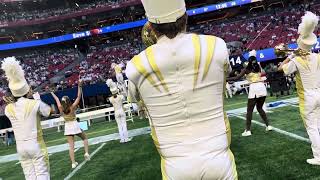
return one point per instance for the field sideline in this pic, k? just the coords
(262, 156)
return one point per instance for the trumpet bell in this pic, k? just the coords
(281, 50)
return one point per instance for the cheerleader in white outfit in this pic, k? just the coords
(257, 91)
(71, 126)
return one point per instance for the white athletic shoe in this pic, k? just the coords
(269, 128)
(122, 141)
(313, 161)
(74, 165)
(246, 133)
(87, 156)
(129, 139)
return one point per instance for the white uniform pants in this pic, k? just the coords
(122, 126)
(119, 78)
(207, 167)
(34, 159)
(309, 103)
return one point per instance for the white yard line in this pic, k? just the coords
(83, 163)
(79, 144)
(292, 135)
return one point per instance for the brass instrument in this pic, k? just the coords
(282, 50)
(149, 37)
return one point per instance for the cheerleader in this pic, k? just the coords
(257, 91)
(71, 127)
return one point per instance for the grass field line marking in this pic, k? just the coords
(292, 135)
(79, 144)
(84, 162)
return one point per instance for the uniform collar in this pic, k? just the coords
(165, 39)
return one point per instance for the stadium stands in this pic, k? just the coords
(54, 12)
(40, 67)
(272, 28)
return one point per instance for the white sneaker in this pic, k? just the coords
(122, 141)
(128, 140)
(313, 161)
(246, 133)
(87, 157)
(269, 128)
(74, 165)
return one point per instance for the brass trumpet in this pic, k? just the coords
(149, 37)
(282, 50)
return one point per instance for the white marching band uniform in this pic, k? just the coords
(120, 116)
(181, 82)
(307, 70)
(120, 79)
(25, 116)
(119, 112)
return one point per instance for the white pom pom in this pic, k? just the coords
(13, 69)
(308, 24)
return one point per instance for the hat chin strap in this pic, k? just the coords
(21, 92)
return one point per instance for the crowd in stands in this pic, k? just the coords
(260, 31)
(39, 67)
(97, 66)
(13, 16)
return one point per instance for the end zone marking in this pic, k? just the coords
(83, 163)
(279, 130)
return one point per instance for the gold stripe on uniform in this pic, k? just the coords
(197, 54)
(155, 68)
(41, 143)
(303, 63)
(300, 91)
(10, 109)
(211, 43)
(29, 107)
(142, 70)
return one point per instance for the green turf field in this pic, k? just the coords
(265, 156)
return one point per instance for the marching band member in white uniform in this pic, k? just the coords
(306, 66)
(119, 113)
(25, 116)
(181, 81)
(120, 79)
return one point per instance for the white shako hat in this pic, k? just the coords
(15, 75)
(112, 86)
(307, 38)
(164, 11)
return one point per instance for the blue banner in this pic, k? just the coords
(268, 54)
(118, 27)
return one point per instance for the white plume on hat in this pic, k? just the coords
(112, 86)
(253, 53)
(15, 75)
(164, 11)
(307, 38)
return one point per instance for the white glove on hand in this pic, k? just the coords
(36, 96)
